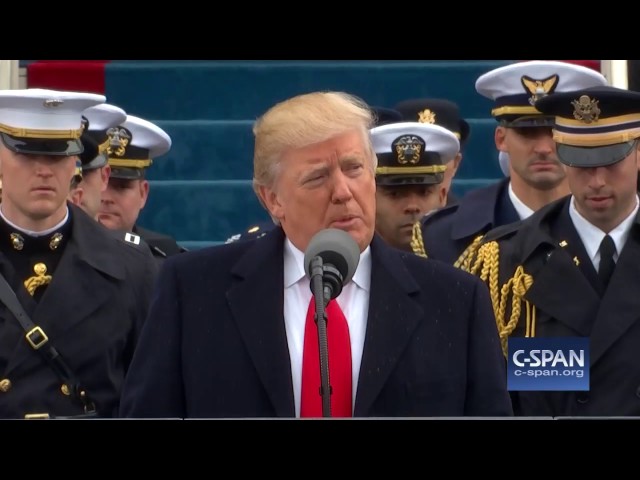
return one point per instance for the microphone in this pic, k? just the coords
(333, 254)
(330, 261)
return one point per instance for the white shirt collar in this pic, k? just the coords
(294, 267)
(521, 209)
(33, 233)
(592, 236)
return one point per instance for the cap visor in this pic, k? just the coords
(43, 146)
(586, 157)
(398, 180)
(98, 162)
(528, 122)
(127, 173)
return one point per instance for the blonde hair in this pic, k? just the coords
(304, 120)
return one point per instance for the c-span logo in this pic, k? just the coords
(548, 364)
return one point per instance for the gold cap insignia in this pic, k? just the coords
(408, 149)
(539, 88)
(118, 140)
(586, 109)
(427, 116)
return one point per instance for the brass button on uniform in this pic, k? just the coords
(5, 385)
(65, 389)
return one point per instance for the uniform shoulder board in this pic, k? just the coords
(131, 239)
(502, 232)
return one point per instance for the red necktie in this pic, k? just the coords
(339, 347)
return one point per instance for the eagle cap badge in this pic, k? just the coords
(427, 116)
(539, 88)
(585, 109)
(408, 149)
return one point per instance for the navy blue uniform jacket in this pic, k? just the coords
(446, 233)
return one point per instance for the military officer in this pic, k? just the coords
(133, 146)
(572, 269)
(81, 294)
(412, 159)
(443, 112)
(95, 165)
(536, 177)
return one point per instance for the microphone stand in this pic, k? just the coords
(320, 296)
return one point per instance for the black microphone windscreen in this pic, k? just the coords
(335, 247)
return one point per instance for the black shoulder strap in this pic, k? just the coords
(39, 341)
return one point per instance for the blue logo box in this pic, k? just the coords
(548, 364)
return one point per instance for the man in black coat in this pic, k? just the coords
(231, 330)
(572, 268)
(85, 290)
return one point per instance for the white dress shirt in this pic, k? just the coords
(592, 236)
(521, 209)
(353, 300)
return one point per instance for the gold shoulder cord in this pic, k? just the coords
(465, 259)
(483, 260)
(417, 242)
(486, 266)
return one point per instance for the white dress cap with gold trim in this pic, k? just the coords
(46, 112)
(133, 146)
(104, 116)
(412, 153)
(44, 122)
(437, 139)
(99, 118)
(516, 87)
(147, 135)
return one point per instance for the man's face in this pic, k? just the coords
(533, 155)
(94, 183)
(398, 208)
(329, 184)
(606, 195)
(35, 187)
(122, 202)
